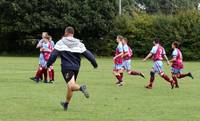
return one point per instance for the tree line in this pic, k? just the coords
(97, 23)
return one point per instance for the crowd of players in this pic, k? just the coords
(46, 46)
(122, 62)
(69, 49)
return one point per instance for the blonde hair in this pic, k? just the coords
(120, 37)
(44, 34)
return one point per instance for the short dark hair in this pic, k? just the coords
(69, 29)
(157, 41)
(176, 44)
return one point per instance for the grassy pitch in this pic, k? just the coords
(23, 100)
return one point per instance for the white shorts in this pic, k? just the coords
(42, 61)
(127, 64)
(118, 67)
(176, 71)
(158, 67)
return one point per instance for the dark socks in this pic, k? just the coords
(121, 74)
(134, 73)
(183, 75)
(81, 88)
(152, 74)
(151, 81)
(65, 105)
(175, 80)
(51, 74)
(39, 73)
(164, 76)
(45, 74)
(119, 77)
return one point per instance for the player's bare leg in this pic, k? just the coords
(69, 94)
(71, 87)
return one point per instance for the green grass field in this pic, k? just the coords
(23, 100)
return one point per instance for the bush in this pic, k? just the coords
(142, 29)
(97, 23)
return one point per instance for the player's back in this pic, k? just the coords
(128, 50)
(178, 63)
(70, 49)
(158, 52)
(70, 60)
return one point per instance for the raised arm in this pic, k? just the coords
(87, 54)
(39, 44)
(52, 57)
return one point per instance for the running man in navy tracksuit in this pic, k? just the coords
(70, 49)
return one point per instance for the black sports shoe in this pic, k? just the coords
(64, 105)
(41, 78)
(83, 89)
(35, 79)
(51, 81)
(45, 81)
(32, 78)
(190, 75)
(142, 75)
(172, 84)
(121, 83)
(118, 82)
(176, 86)
(148, 86)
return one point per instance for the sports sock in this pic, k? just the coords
(182, 75)
(151, 81)
(121, 74)
(45, 74)
(134, 73)
(152, 78)
(81, 88)
(65, 105)
(52, 71)
(50, 74)
(39, 73)
(119, 77)
(175, 80)
(164, 76)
